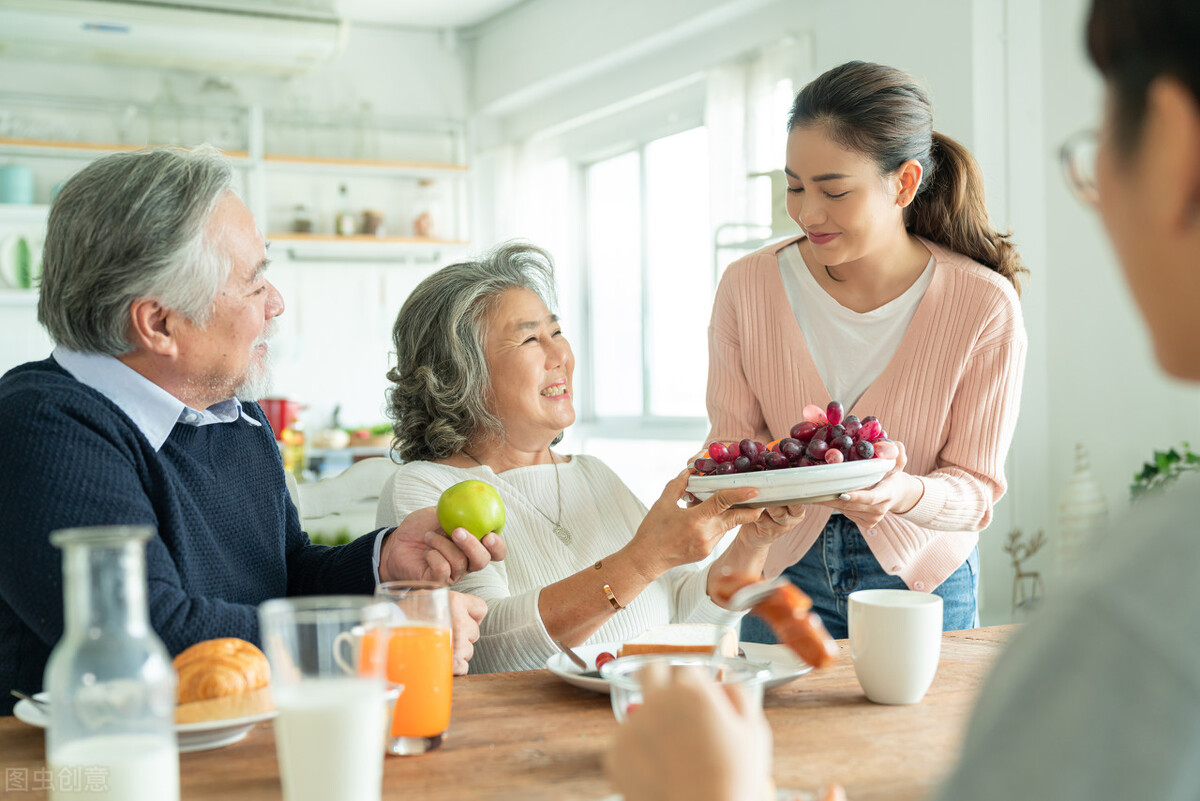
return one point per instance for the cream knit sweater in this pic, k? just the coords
(600, 512)
(950, 394)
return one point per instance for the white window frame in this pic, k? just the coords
(645, 425)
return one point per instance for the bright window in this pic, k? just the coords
(615, 295)
(649, 265)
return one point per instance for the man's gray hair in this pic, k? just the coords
(441, 387)
(130, 226)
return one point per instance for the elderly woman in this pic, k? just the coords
(482, 390)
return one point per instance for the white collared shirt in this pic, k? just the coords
(151, 408)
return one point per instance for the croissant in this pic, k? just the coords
(221, 667)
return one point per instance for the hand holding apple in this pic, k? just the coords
(417, 549)
(473, 505)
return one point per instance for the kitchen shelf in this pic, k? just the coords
(372, 167)
(50, 148)
(389, 162)
(330, 247)
(292, 238)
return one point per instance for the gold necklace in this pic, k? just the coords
(560, 531)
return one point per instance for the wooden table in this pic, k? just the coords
(531, 736)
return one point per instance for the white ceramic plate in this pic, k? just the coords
(779, 659)
(191, 736)
(822, 482)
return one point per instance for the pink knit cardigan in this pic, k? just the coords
(950, 394)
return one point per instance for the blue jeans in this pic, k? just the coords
(840, 562)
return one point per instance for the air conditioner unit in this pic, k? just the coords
(265, 36)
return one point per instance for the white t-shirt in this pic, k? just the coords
(849, 348)
(600, 513)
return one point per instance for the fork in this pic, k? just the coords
(43, 706)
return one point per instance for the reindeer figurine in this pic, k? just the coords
(1027, 585)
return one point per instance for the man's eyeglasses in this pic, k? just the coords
(1078, 159)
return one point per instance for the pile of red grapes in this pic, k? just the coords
(824, 437)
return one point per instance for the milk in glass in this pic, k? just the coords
(327, 681)
(129, 767)
(328, 736)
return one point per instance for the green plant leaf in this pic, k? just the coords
(1165, 468)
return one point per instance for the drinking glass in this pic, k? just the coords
(331, 714)
(419, 659)
(625, 686)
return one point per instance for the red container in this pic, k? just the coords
(280, 413)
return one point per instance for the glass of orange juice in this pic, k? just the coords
(419, 660)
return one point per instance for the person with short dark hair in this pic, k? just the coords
(155, 294)
(1099, 696)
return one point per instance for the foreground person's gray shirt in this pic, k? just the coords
(1099, 696)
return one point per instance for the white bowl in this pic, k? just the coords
(822, 482)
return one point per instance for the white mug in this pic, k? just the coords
(347, 649)
(895, 642)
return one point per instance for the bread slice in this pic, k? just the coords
(674, 638)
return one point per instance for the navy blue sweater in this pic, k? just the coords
(228, 534)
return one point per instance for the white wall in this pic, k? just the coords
(334, 345)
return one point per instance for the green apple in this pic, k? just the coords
(473, 505)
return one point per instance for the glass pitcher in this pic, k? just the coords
(111, 684)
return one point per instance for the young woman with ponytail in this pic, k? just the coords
(900, 300)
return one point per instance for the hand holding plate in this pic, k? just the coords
(896, 492)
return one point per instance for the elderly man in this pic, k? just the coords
(154, 291)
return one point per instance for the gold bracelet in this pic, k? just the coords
(612, 599)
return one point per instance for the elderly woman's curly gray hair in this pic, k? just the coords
(440, 396)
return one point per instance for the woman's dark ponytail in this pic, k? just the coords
(951, 209)
(884, 114)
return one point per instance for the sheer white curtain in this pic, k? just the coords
(746, 115)
(525, 192)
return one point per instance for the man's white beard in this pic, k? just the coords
(260, 371)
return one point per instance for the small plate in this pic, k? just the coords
(791, 485)
(783, 663)
(217, 733)
(191, 736)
